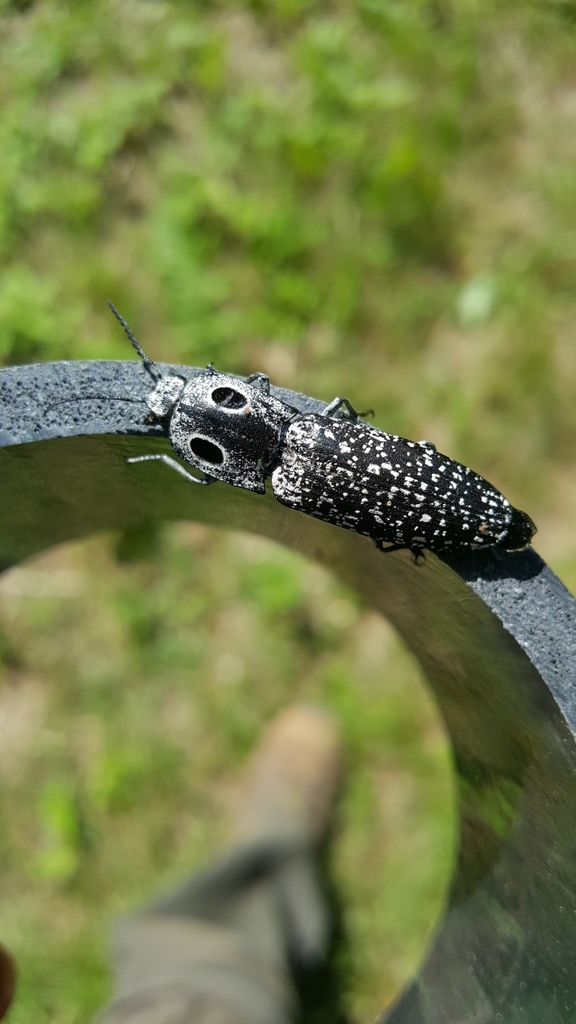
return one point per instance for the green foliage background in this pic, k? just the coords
(369, 197)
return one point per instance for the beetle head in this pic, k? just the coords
(163, 398)
(226, 427)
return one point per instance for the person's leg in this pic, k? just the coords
(221, 949)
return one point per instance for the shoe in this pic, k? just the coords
(293, 781)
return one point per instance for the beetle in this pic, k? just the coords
(330, 465)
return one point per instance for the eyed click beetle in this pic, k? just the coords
(331, 465)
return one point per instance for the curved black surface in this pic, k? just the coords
(495, 636)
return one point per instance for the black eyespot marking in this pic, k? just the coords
(206, 450)
(229, 398)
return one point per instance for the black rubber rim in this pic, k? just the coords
(494, 636)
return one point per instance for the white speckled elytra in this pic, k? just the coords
(333, 466)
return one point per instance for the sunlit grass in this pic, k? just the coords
(129, 704)
(363, 198)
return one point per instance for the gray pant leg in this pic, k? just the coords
(218, 951)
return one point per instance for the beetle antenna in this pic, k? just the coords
(148, 363)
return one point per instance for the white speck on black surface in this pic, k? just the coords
(327, 466)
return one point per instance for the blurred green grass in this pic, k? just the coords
(371, 197)
(132, 693)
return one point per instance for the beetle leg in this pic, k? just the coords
(418, 555)
(336, 404)
(391, 547)
(173, 465)
(260, 381)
